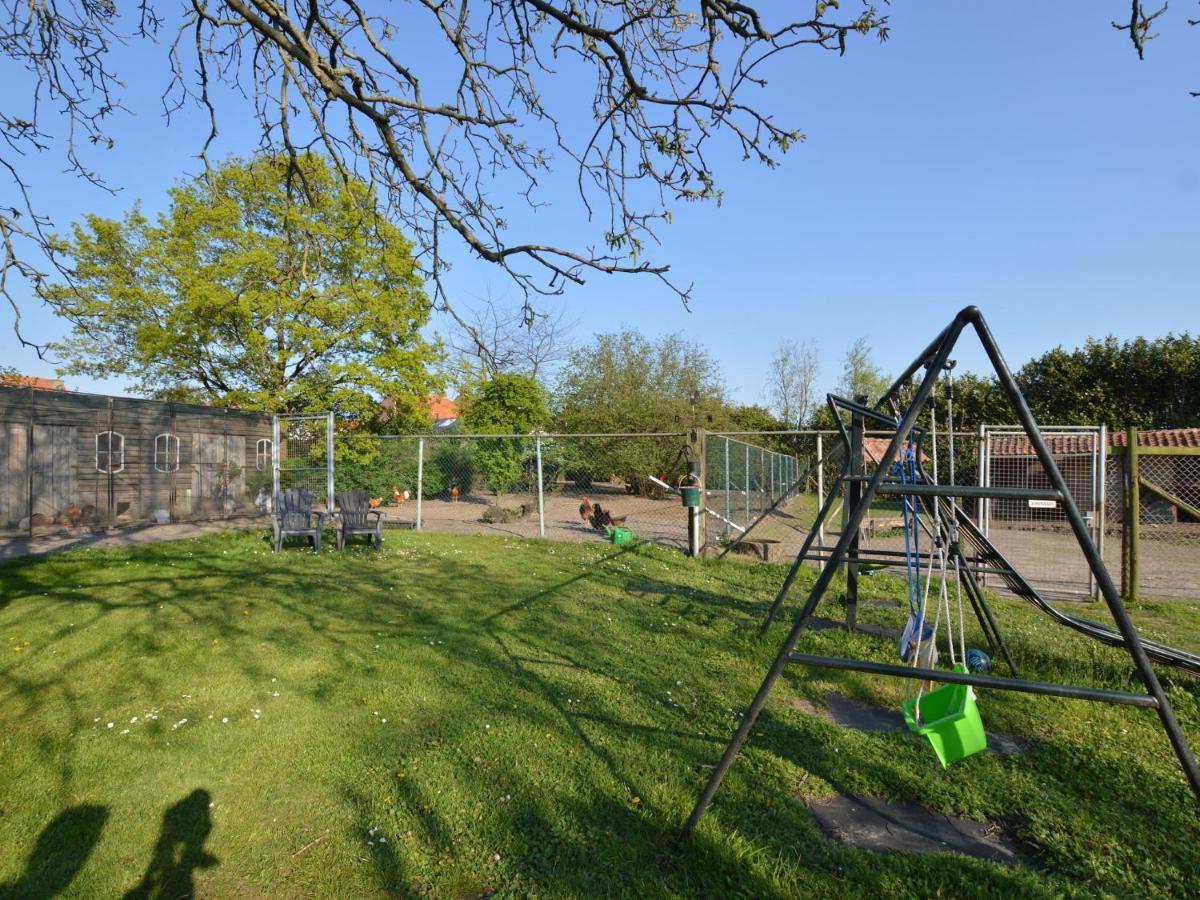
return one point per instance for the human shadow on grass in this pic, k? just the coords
(61, 850)
(179, 851)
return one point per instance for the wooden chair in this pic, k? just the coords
(295, 517)
(354, 517)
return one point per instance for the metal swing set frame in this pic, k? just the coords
(862, 489)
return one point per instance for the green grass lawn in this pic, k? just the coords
(459, 716)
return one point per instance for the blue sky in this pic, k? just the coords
(1029, 164)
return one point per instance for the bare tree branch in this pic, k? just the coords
(791, 382)
(503, 338)
(632, 93)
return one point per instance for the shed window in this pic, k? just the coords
(110, 452)
(262, 454)
(166, 453)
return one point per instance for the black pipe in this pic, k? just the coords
(896, 488)
(1021, 685)
(1111, 595)
(827, 573)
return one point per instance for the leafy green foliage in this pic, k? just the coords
(1150, 383)
(259, 286)
(392, 464)
(509, 403)
(624, 382)
(860, 375)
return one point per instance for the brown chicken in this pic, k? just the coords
(74, 514)
(585, 510)
(374, 502)
(602, 519)
(454, 493)
(398, 496)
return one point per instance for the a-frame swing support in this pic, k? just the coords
(933, 359)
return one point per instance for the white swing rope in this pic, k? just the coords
(943, 598)
(953, 526)
(944, 535)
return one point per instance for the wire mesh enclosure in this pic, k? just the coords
(548, 485)
(72, 463)
(745, 483)
(1035, 534)
(1162, 554)
(304, 456)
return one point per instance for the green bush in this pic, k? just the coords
(500, 461)
(453, 462)
(389, 464)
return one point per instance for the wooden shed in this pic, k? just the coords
(76, 461)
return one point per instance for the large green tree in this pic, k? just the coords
(624, 382)
(271, 284)
(509, 403)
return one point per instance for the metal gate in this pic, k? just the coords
(302, 456)
(1035, 535)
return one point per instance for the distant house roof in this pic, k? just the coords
(874, 448)
(32, 381)
(1068, 444)
(443, 409)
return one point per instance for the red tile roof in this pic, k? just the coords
(43, 384)
(874, 448)
(442, 408)
(1068, 444)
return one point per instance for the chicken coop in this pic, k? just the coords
(70, 462)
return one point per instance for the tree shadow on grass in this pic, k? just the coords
(179, 851)
(60, 852)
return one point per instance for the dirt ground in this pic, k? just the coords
(661, 521)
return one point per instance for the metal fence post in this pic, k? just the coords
(540, 498)
(1102, 497)
(329, 462)
(820, 486)
(108, 465)
(275, 461)
(420, 477)
(747, 484)
(1133, 514)
(728, 510)
(981, 463)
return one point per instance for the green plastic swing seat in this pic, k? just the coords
(950, 721)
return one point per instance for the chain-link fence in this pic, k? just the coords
(305, 457)
(72, 463)
(1162, 554)
(1035, 535)
(559, 486)
(745, 484)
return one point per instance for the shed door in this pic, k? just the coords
(218, 472)
(14, 476)
(53, 468)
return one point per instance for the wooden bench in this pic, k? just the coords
(760, 547)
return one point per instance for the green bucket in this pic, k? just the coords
(619, 534)
(949, 719)
(690, 496)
